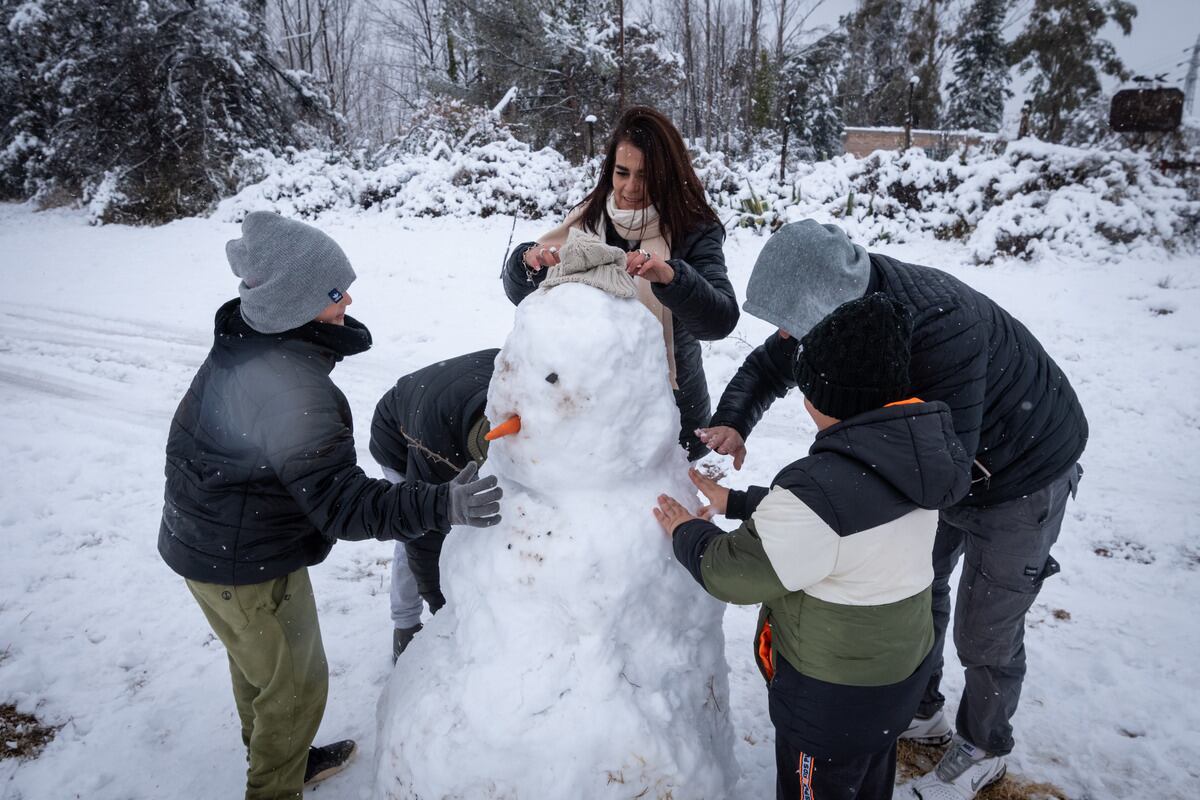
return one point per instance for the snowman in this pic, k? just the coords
(574, 658)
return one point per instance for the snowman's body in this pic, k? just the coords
(574, 657)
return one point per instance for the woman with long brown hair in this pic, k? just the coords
(649, 202)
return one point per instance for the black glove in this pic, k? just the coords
(474, 501)
(434, 599)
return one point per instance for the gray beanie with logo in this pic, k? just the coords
(804, 272)
(290, 271)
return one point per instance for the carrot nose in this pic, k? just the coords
(509, 426)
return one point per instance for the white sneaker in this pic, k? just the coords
(934, 731)
(962, 772)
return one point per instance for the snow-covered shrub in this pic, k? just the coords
(503, 176)
(1031, 199)
(1026, 200)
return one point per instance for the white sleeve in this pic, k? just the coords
(803, 550)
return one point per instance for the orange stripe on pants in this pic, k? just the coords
(807, 768)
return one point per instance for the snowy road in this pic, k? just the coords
(104, 328)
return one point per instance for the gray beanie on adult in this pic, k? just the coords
(290, 271)
(804, 272)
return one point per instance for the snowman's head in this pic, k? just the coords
(587, 375)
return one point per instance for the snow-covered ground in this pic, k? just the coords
(104, 327)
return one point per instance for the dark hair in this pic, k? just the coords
(671, 183)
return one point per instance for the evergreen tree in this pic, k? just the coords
(925, 64)
(810, 83)
(762, 93)
(874, 84)
(1061, 46)
(980, 84)
(143, 106)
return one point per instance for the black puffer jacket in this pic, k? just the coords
(436, 406)
(1014, 410)
(702, 304)
(261, 471)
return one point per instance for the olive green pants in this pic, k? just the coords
(280, 678)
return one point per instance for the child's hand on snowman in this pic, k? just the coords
(716, 494)
(670, 514)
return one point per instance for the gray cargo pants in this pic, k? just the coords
(1007, 550)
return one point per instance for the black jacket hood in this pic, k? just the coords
(912, 447)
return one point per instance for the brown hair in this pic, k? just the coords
(671, 182)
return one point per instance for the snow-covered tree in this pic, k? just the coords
(142, 107)
(328, 40)
(1061, 46)
(563, 56)
(810, 81)
(874, 85)
(980, 84)
(925, 50)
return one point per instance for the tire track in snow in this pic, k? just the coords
(119, 369)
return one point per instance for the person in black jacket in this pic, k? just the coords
(649, 202)
(1015, 413)
(262, 479)
(427, 428)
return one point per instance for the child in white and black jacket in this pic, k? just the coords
(838, 553)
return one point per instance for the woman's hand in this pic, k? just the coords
(716, 494)
(726, 441)
(649, 266)
(670, 514)
(539, 255)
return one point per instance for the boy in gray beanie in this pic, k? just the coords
(290, 271)
(1018, 418)
(262, 480)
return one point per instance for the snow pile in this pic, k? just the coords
(573, 650)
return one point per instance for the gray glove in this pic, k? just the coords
(474, 501)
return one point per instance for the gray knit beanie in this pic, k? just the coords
(588, 260)
(290, 271)
(803, 273)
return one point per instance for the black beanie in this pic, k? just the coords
(856, 359)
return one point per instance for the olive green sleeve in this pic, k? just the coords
(736, 569)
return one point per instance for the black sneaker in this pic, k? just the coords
(400, 639)
(328, 760)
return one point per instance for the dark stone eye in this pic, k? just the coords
(552, 377)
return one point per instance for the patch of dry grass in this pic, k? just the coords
(21, 735)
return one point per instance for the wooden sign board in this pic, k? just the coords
(1146, 110)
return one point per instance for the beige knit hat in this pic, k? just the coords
(588, 260)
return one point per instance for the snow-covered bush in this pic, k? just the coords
(1031, 199)
(504, 176)
(1028, 200)
(1024, 200)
